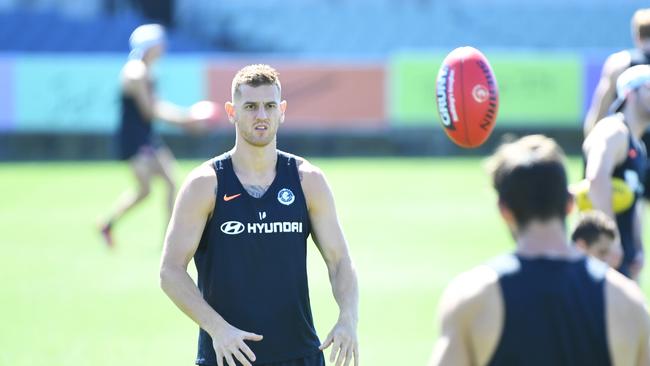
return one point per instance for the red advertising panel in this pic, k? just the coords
(319, 95)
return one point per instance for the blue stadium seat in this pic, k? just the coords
(50, 31)
(360, 27)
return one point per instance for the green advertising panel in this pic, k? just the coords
(412, 89)
(81, 93)
(536, 90)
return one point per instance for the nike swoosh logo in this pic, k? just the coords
(229, 198)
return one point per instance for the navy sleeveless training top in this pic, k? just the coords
(632, 171)
(637, 57)
(252, 267)
(136, 130)
(554, 312)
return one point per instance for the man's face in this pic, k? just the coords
(643, 95)
(643, 44)
(155, 52)
(257, 113)
(606, 249)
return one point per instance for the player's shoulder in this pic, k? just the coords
(611, 128)
(467, 292)
(134, 70)
(617, 62)
(300, 161)
(201, 180)
(306, 169)
(198, 191)
(612, 125)
(205, 170)
(312, 180)
(624, 291)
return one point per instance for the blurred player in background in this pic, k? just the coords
(614, 148)
(615, 64)
(547, 303)
(137, 142)
(596, 234)
(245, 217)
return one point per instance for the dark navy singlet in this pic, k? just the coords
(637, 57)
(252, 267)
(136, 130)
(554, 312)
(632, 171)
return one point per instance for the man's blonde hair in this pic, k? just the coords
(641, 24)
(255, 75)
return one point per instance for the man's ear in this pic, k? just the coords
(283, 109)
(230, 111)
(507, 215)
(582, 245)
(570, 204)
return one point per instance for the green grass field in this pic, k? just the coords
(412, 224)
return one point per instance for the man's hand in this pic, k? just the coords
(228, 342)
(344, 338)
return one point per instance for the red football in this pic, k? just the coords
(467, 97)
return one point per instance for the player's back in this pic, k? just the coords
(554, 312)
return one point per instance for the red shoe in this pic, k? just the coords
(106, 234)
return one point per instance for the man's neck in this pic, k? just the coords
(544, 239)
(255, 160)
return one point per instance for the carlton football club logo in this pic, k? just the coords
(286, 197)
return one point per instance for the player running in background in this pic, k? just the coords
(137, 141)
(596, 234)
(245, 217)
(615, 64)
(614, 149)
(547, 303)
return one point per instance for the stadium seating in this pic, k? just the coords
(325, 27)
(51, 30)
(382, 26)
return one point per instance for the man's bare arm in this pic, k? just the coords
(471, 314)
(328, 236)
(605, 92)
(604, 148)
(135, 82)
(194, 205)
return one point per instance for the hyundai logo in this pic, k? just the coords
(232, 227)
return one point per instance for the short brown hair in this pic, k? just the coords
(255, 75)
(592, 225)
(641, 24)
(529, 177)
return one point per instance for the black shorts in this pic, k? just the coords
(316, 359)
(127, 149)
(313, 360)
